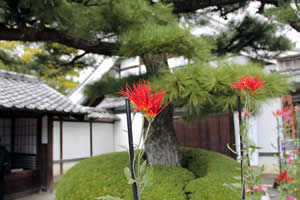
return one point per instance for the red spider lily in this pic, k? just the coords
(248, 83)
(277, 113)
(144, 99)
(139, 95)
(284, 177)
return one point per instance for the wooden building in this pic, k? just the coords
(29, 110)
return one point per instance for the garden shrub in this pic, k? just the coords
(102, 175)
(212, 170)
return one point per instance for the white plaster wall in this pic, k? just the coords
(270, 164)
(263, 132)
(69, 165)
(56, 169)
(56, 141)
(45, 130)
(103, 138)
(120, 131)
(252, 135)
(267, 133)
(76, 140)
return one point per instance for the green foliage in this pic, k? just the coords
(62, 15)
(51, 62)
(202, 88)
(205, 88)
(143, 28)
(110, 85)
(136, 26)
(212, 170)
(287, 12)
(169, 39)
(103, 175)
(251, 35)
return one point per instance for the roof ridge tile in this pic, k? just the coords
(19, 76)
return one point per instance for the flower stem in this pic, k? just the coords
(139, 158)
(278, 145)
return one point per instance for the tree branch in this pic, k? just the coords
(50, 35)
(295, 25)
(72, 62)
(182, 6)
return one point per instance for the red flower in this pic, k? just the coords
(144, 99)
(285, 113)
(284, 177)
(248, 83)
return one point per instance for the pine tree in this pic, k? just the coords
(55, 64)
(150, 29)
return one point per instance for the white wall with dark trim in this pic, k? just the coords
(120, 130)
(264, 133)
(76, 142)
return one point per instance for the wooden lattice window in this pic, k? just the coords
(26, 136)
(5, 132)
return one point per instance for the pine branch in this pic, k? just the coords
(183, 6)
(72, 62)
(50, 35)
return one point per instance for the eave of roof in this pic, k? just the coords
(21, 92)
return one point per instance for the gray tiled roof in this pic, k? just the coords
(112, 102)
(25, 92)
(96, 113)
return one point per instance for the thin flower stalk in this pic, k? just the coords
(249, 86)
(285, 114)
(149, 103)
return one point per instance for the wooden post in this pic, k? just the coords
(91, 138)
(61, 146)
(131, 149)
(49, 151)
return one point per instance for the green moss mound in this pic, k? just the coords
(205, 172)
(212, 170)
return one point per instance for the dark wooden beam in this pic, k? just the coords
(61, 145)
(85, 121)
(69, 160)
(50, 153)
(91, 138)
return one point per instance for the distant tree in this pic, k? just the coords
(56, 64)
(288, 12)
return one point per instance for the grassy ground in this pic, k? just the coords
(202, 177)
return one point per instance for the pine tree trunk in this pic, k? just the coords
(161, 146)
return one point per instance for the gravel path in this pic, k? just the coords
(39, 196)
